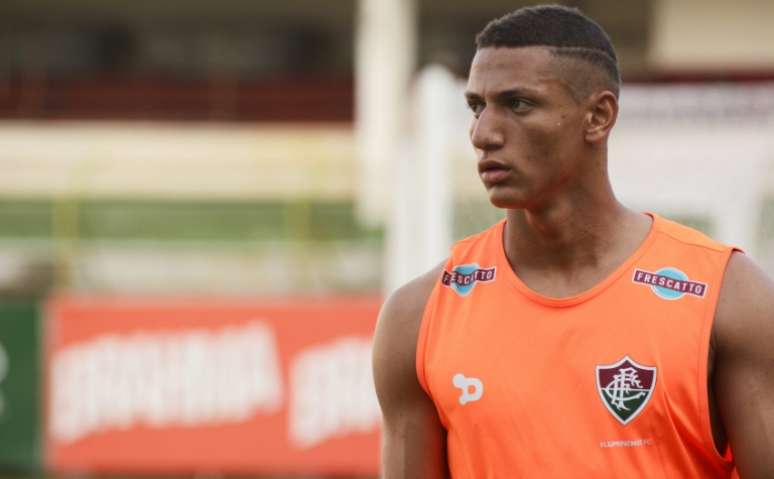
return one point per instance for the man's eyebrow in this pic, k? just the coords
(470, 96)
(505, 94)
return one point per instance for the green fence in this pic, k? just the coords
(181, 220)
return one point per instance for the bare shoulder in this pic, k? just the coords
(744, 319)
(407, 304)
(413, 439)
(398, 328)
(743, 377)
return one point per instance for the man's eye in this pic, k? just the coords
(476, 108)
(517, 104)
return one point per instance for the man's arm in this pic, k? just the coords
(413, 439)
(744, 366)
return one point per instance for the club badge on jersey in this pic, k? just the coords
(625, 387)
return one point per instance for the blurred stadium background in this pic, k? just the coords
(202, 203)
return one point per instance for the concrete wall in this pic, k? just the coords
(713, 35)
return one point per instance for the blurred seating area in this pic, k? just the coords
(218, 98)
(237, 61)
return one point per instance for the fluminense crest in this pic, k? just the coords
(625, 388)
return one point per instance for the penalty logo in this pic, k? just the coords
(471, 389)
(464, 277)
(625, 388)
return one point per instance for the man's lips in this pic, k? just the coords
(492, 172)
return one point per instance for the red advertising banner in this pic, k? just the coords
(156, 386)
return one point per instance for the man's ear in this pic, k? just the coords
(601, 116)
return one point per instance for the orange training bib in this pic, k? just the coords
(610, 383)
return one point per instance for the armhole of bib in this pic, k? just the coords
(723, 457)
(423, 337)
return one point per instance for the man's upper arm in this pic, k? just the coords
(413, 440)
(744, 366)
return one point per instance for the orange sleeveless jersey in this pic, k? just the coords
(610, 383)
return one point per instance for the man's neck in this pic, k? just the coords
(573, 234)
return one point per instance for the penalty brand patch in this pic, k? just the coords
(471, 389)
(625, 388)
(670, 283)
(463, 278)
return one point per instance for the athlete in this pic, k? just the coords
(576, 338)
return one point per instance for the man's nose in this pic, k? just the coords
(486, 131)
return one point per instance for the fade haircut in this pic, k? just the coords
(567, 32)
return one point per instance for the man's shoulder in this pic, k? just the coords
(689, 236)
(744, 386)
(397, 332)
(407, 303)
(746, 304)
(405, 306)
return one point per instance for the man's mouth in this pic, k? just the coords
(492, 172)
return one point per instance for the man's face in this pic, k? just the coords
(527, 129)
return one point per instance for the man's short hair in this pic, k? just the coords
(566, 31)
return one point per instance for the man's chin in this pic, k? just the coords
(506, 201)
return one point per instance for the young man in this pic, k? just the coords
(577, 338)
